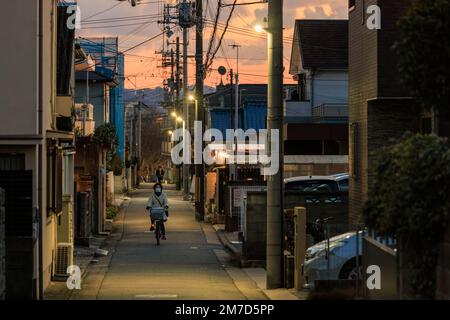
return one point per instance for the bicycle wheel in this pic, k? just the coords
(158, 232)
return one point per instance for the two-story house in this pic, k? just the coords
(36, 145)
(97, 89)
(316, 109)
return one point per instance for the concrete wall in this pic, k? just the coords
(255, 240)
(443, 269)
(314, 169)
(375, 253)
(19, 111)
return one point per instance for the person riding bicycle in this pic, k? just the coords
(158, 199)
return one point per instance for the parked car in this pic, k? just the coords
(334, 183)
(343, 181)
(342, 258)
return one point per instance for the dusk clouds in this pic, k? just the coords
(252, 53)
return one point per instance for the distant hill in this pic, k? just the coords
(151, 97)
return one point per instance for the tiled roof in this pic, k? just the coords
(323, 44)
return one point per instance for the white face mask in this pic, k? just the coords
(157, 190)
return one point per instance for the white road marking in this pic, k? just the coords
(156, 296)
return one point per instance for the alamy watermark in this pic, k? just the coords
(74, 279)
(240, 147)
(74, 19)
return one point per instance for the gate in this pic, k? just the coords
(19, 260)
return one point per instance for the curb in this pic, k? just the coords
(227, 244)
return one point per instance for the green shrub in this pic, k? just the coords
(410, 199)
(111, 212)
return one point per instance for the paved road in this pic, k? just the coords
(185, 266)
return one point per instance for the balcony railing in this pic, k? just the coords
(330, 110)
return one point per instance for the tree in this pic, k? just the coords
(424, 53)
(106, 135)
(410, 200)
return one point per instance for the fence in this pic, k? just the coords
(84, 215)
(236, 204)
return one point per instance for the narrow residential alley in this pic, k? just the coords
(190, 264)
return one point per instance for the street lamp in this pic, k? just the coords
(259, 28)
(174, 114)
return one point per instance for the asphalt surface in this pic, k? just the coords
(185, 266)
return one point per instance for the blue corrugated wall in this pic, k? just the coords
(117, 105)
(251, 116)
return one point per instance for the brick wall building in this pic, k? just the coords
(380, 108)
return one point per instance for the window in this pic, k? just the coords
(54, 179)
(312, 186)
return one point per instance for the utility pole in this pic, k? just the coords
(186, 173)
(231, 173)
(177, 97)
(236, 107)
(275, 122)
(199, 116)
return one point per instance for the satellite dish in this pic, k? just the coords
(222, 70)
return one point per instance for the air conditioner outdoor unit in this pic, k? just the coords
(64, 258)
(65, 221)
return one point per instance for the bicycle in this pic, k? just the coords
(158, 218)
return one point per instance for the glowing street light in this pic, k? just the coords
(259, 28)
(179, 119)
(191, 97)
(174, 114)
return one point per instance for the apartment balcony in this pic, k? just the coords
(293, 108)
(330, 110)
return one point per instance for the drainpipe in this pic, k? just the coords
(39, 210)
(312, 88)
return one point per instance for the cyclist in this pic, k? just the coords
(158, 199)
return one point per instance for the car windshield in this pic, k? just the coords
(343, 184)
(313, 186)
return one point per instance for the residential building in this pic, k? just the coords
(36, 144)
(381, 108)
(316, 109)
(252, 109)
(99, 95)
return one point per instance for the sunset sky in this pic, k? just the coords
(142, 64)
